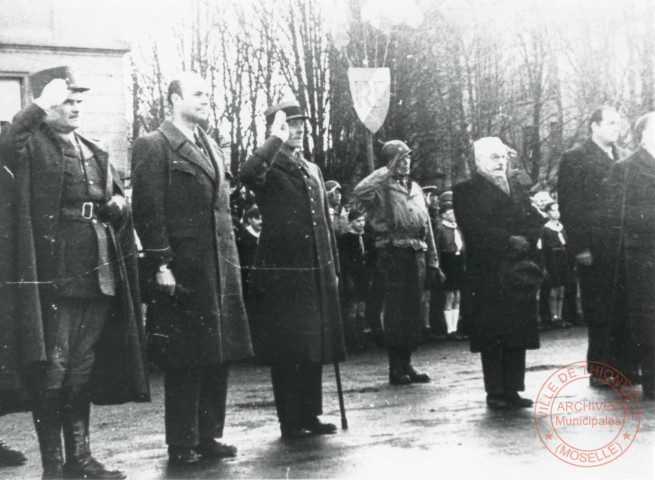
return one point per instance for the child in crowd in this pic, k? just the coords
(247, 240)
(553, 244)
(352, 254)
(539, 201)
(450, 246)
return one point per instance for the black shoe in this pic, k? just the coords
(90, 468)
(182, 456)
(292, 433)
(398, 377)
(496, 402)
(10, 457)
(316, 427)
(213, 449)
(416, 377)
(514, 400)
(649, 391)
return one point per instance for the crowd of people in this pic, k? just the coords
(275, 264)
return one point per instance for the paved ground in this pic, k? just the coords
(440, 430)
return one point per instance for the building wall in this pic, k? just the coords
(84, 34)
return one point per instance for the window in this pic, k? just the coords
(11, 97)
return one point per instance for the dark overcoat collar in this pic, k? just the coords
(595, 154)
(286, 161)
(184, 148)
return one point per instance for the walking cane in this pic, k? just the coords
(342, 408)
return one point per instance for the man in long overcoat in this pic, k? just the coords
(404, 245)
(632, 254)
(582, 192)
(197, 322)
(501, 230)
(76, 323)
(10, 376)
(296, 314)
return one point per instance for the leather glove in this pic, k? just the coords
(113, 210)
(280, 128)
(54, 93)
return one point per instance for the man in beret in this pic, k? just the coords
(501, 230)
(196, 316)
(78, 309)
(296, 317)
(404, 242)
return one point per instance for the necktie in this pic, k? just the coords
(199, 143)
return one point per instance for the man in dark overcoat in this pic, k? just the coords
(197, 322)
(582, 192)
(405, 255)
(10, 375)
(296, 314)
(499, 227)
(77, 317)
(632, 255)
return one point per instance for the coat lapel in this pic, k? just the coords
(287, 163)
(181, 144)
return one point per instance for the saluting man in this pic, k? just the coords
(78, 309)
(296, 315)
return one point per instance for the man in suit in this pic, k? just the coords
(582, 194)
(296, 317)
(78, 311)
(196, 317)
(501, 230)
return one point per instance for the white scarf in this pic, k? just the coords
(556, 226)
(253, 232)
(458, 238)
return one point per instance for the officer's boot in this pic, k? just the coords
(46, 413)
(79, 461)
(397, 375)
(414, 376)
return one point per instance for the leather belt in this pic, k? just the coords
(86, 210)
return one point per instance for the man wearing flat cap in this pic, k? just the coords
(77, 304)
(197, 321)
(501, 230)
(404, 244)
(296, 318)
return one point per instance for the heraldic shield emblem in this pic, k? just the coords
(370, 89)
